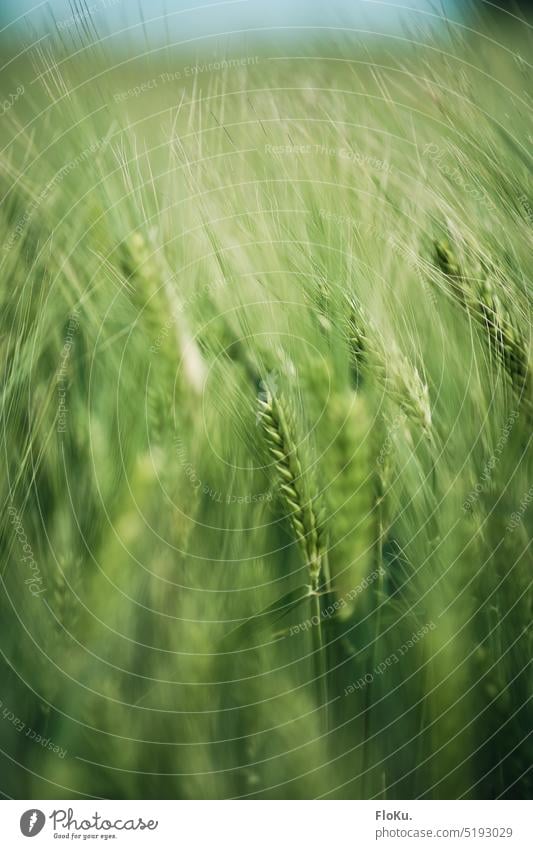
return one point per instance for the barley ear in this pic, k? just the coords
(388, 366)
(302, 514)
(306, 523)
(480, 300)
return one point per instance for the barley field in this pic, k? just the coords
(266, 416)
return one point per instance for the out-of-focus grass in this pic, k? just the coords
(202, 238)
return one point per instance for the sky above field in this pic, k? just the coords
(193, 18)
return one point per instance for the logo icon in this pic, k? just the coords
(32, 822)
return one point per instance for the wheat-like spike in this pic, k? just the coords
(448, 264)
(392, 370)
(160, 301)
(480, 299)
(504, 336)
(305, 521)
(360, 339)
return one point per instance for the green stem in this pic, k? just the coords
(379, 597)
(319, 592)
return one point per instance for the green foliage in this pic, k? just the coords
(265, 376)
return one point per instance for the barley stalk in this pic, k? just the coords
(305, 521)
(380, 488)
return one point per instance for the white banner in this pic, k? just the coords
(266, 824)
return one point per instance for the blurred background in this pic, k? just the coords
(197, 199)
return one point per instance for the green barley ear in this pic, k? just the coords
(505, 338)
(305, 520)
(479, 297)
(156, 295)
(349, 460)
(387, 366)
(446, 259)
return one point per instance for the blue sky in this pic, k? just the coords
(191, 18)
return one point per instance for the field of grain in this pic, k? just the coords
(266, 419)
